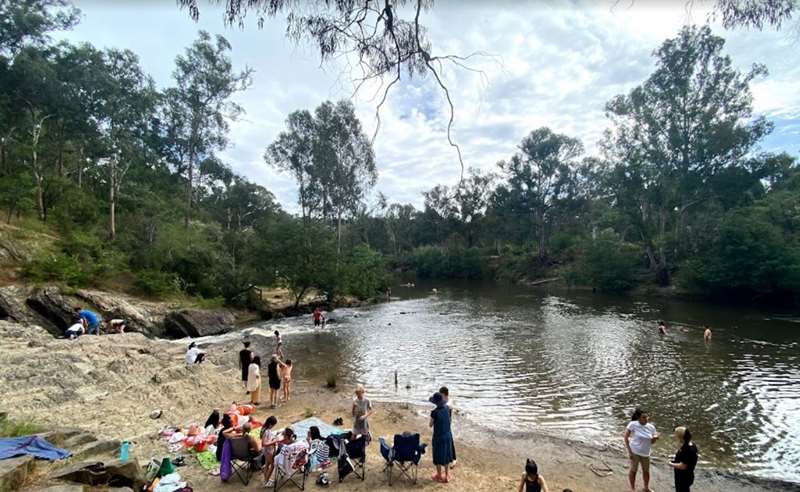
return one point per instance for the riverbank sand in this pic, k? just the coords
(110, 385)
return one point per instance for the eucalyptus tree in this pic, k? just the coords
(541, 175)
(671, 136)
(200, 105)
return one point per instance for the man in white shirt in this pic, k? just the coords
(194, 355)
(639, 437)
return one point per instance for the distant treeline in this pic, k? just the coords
(128, 176)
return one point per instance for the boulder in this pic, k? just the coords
(148, 320)
(113, 473)
(12, 304)
(198, 323)
(53, 307)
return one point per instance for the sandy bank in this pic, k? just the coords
(110, 384)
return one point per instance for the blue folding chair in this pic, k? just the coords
(404, 455)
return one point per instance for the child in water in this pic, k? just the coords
(278, 344)
(531, 480)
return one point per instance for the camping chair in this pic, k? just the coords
(292, 460)
(405, 455)
(243, 462)
(353, 456)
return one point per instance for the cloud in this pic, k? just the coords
(552, 64)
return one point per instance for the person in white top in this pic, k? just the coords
(639, 437)
(194, 355)
(75, 331)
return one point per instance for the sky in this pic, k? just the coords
(550, 64)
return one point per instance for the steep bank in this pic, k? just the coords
(110, 384)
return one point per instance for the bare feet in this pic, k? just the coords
(437, 478)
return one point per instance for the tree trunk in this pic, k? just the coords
(189, 185)
(40, 198)
(112, 201)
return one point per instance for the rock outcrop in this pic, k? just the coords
(56, 309)
(143, 317)
(198, 323)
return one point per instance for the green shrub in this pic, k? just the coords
(158, 284)
(608, 263)
(435, 262)
(13, 428)
(57, 267)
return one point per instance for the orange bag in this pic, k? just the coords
(246, 409)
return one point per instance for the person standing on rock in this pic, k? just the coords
(254, 381)
(245, 357)
(278, 344)
(90, 320)
(118, 325)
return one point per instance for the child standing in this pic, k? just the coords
(531, 480)
(362, 409)
(278, 344)
(269, 444)
(287, 378)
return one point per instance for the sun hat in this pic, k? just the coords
(437, 399)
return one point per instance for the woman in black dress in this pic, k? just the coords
(685, 460)
(442, 441)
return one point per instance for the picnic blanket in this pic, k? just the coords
(301, 428)
(207, 460)
(30, 445)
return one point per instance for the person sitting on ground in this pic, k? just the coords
(116, 324)
(446, 393)
(75, 330)
(194, 355)
(662, 328)
(212, 421)
(707, 334)
(319, 451)
(274, 381)
(685, 460)
(254, 381)
(269, 446)
(90, 319)
(531, 480)
(639, 437)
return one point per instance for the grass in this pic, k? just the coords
(13, 428)
(330, 382)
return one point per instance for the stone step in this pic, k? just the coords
(77, 440)
(14, 471)
(94, 448)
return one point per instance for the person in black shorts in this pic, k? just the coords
(274, 381)
(245, 357)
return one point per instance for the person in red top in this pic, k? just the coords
(319, 318)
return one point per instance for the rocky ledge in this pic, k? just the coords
(53, 309)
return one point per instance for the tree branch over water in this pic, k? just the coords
(383, 43)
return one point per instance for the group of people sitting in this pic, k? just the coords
(89, 322)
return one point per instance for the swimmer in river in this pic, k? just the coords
(662, 328)
(707, 334)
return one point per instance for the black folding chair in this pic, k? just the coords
(405, 455)
(243, 462)
(354, 457)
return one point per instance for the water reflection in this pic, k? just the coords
(577, 364)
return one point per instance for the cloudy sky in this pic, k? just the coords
(553, 64)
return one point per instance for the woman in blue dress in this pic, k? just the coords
(442, 441)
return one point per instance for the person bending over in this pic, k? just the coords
(194, 355)
(90, 320)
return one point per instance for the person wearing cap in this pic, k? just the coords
(531, 480)
(442, 441)
(685, 460)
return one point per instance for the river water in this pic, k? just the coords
(575, 364)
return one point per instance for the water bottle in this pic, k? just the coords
(123, 451)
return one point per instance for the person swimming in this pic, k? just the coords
(707, 334)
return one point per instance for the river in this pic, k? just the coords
(575, 364)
